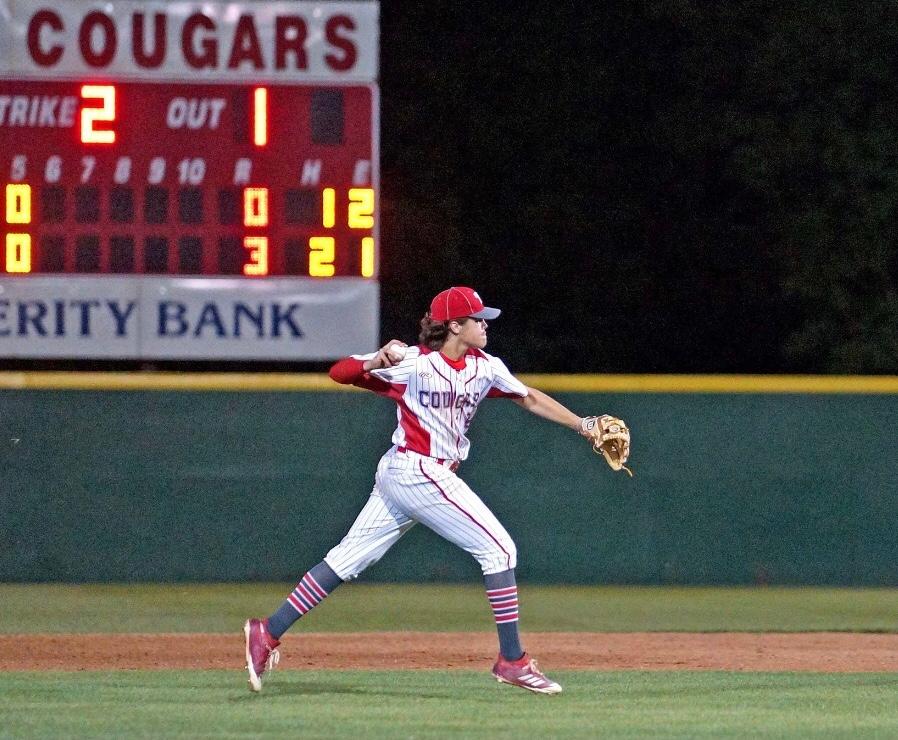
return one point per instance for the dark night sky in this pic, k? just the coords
(646, 186)
(650, 186)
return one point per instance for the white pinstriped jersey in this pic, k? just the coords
(437, 400)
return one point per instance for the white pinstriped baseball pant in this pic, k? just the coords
(411, 488)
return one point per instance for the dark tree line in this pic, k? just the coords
(647, 186)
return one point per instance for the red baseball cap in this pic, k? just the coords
(458, 302)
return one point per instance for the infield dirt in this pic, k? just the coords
(815, 651)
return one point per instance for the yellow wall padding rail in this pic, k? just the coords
(159, 381)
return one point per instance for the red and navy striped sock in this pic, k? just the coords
(504, 603)
(312, 589)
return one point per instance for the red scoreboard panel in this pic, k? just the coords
(189, 211)
(182, 179)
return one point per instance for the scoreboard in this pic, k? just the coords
(179, 179)
(189, 180)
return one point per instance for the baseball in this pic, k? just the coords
(396, 352)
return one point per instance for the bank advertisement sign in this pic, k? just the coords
(216, 318)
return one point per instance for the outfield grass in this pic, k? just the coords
(403, 704)
(365, 607)
(431, 704)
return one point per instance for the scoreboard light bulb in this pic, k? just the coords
(18, 253)
(255, 206)
(361, 208)
(258, 255)
(328, 208)
(367, 256)
(92, 114)
(260, 116)
(18, 203)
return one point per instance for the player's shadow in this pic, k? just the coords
(347, 688)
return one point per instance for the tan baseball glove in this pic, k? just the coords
(610, 438)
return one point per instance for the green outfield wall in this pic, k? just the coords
(206, 478)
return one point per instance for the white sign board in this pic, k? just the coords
(215, 318)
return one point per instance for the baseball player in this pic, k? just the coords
(437, 387)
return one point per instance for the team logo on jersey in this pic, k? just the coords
(447, 399)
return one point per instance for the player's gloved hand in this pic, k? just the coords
(387, 356)
(610, 438)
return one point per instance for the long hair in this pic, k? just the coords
(433, 333)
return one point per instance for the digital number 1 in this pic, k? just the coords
(260, 116)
